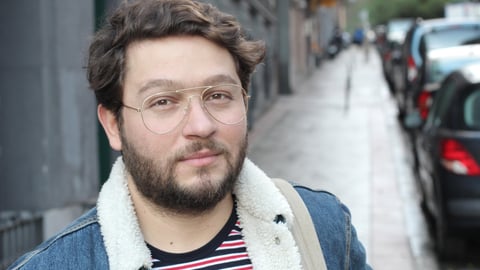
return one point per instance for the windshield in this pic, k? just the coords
(399, 25)
(397, 29)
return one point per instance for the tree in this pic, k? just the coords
(381, 11)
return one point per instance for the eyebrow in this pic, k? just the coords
(219, 79)
(156, 83)
(215, 79)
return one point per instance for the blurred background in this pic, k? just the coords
(54, 157)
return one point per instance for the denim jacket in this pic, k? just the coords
(109, 236)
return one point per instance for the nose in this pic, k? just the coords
(198, 122)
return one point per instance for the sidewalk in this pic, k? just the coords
(351, 148)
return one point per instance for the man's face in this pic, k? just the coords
(192, 167)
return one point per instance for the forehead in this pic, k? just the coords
(180, 61)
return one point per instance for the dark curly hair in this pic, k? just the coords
(148, 19)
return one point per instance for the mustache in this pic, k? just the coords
(200, 145)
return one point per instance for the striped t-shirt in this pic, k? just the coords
(225, 251)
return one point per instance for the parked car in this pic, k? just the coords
(391, 47)
(437, 65)
(424, 36)
(380, 36)
(448, 148)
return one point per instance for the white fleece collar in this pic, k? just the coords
(270, 245)
(123, 239)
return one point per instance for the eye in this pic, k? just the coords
(160, 103)
(219, 95)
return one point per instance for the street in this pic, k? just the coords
(339, 132)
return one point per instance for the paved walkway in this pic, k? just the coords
(348, 144)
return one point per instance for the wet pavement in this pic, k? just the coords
(339, 132)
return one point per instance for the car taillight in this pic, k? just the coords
(457, 159)
(424, 101)
(411, 69)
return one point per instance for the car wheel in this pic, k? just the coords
(401, 117)
(423, 202)
(391, 86)
(447, 246)
(427, 213)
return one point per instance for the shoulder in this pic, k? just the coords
(330, 216)
(337, 235)
(82, 238)
(320, 202)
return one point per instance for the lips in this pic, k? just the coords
(201, 158)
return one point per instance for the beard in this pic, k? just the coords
(159, 184)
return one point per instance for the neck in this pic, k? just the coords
(176, 232)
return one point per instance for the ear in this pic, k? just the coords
(110, 125)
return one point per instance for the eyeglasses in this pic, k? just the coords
(164, 111)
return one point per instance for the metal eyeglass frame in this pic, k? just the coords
(140, 110)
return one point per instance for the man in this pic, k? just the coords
(171, 80)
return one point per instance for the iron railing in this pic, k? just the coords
(19, 233)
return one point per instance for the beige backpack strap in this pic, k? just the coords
(303, 229)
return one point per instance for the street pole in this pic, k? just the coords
(284, 46)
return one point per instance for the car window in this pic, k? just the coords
(424, 39)
(471, 110)
(441, 103)
(451, 37)
(439, 68)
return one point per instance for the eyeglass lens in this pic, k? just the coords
(164, 111)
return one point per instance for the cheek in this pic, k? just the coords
(145, 142)
(158, 146)
(235, 134)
